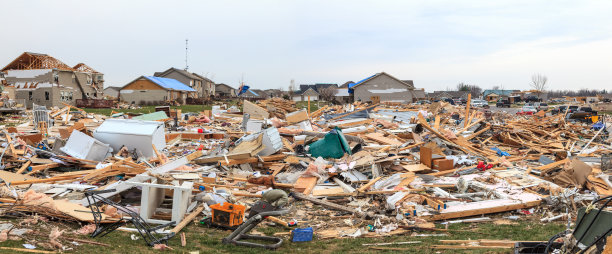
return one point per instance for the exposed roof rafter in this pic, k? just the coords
(31, 61)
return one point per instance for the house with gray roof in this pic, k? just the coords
(224, 91)
(384, 87)
(308, 94)
(204, 86)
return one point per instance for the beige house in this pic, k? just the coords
(384, 87)
(112, 91)
(44, 80)
(224, 91)
(155, 90)
(309, 94)
(205, 87)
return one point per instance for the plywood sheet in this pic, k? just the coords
(255, 111)
(8, 177)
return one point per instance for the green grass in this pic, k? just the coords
(208, 240)
(314, 105)
(148, 109)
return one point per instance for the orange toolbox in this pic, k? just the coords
(227, 214)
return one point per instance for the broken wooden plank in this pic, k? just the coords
(187, 219)
(324, 203)
(481, 207)
(256, 112)
(367, 185)
(380, 138)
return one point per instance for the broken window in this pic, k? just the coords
(30, 95)
(46, 95)
(66, 96)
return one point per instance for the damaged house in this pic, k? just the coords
(384, 87)
(155, 90)
(44, 80)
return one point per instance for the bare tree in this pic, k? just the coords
(327, 93)
(538, 82)
(291, 88)
(473, 89)
(495, 88)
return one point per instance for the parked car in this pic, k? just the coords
(582, 114)
(541, 106)
(527, 110)
(458, 102)
(503, 104)
(572, 109)
(532, 99)
(449, 100)
(479, 103)
(587, 109)
(558, 109)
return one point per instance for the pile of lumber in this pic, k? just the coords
(278, 107)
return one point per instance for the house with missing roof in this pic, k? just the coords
(384, 87)
(44, 80)
(155, 91)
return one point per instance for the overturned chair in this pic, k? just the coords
(242, 232)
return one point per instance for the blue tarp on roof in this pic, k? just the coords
(361, 81)
(171, 84)
(351, 85)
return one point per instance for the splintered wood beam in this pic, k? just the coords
(327, 204)
(43, 167)
(187, 219)
(467, 109)
(437, 123)
(24, 166)
(275, 157)
(476, 134)
(490, 207)
(548, 167)
(366, 186)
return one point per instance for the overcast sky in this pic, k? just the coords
(435, 43)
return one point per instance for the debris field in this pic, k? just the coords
(342, 171)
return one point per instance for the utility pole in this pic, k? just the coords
(186, 51)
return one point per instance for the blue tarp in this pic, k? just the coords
(170, 84)
(359, 82)
(500, 152)
(243, 89)
(598, 126)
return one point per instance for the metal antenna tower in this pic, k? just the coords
(186, 51)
